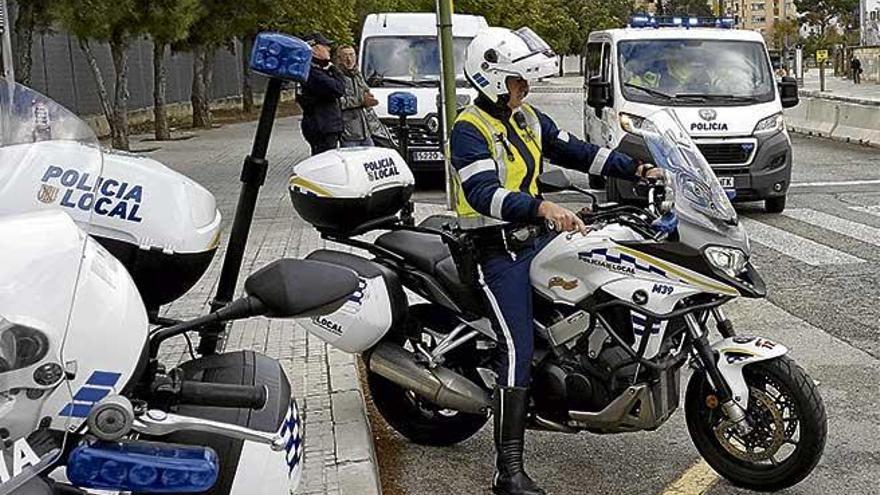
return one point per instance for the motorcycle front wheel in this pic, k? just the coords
(787, 420)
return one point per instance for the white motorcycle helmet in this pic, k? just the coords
(498, 53)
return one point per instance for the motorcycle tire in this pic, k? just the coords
(238, 368)
(417, 419)
(801, 397)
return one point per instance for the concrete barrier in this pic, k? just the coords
(837, 118)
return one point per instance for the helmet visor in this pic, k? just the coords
(534, 43)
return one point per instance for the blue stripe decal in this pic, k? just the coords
(89, 394)
(103, 378)
(76, 410)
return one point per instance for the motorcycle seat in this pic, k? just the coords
(428, 253)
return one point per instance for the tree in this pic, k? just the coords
(822, 13)
(784, 33)
(166, 21)
(595, 15)
(34, 16)
(115, 22)
(687, 7)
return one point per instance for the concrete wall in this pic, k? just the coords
(853, 121)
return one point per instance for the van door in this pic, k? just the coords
(592, 67)
(608, 118)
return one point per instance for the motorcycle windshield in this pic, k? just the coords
(698, 196)
(50, 169)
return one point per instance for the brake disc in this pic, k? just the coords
(768, 430)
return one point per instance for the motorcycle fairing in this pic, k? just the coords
(735, 353)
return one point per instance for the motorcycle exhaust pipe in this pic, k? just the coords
(438, 385)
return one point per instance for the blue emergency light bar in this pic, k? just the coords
(402, 103)
(281, 56)
(143, 467)
(649, 21)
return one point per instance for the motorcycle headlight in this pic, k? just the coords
(731, 261)
(770, 124)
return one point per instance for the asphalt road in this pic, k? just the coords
(820, 260)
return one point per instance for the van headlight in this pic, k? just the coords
(631, 123)
(731, 261)
(773, 123)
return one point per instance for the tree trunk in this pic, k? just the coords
(23, 41)
(160, 113)
(209, 78)
(120, 97)
(103, 97)
(247, 91)
(199, 98)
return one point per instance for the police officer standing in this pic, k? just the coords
(498, 145)
(319, 98)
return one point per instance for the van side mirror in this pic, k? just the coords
(598, 94)
(788, 92)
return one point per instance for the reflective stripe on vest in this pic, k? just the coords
(509, 154)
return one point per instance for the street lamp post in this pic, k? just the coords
(447, 62)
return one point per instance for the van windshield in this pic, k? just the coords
(408, 60)
(695, 72)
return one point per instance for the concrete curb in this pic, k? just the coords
(846, 99)
(358, 470)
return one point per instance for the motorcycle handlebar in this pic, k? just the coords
(222, 395)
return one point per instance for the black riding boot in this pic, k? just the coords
(510, 426)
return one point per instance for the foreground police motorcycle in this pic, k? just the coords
(85, 403)
(619, 312)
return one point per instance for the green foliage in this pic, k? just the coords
(168, 21)
(690, 7)
(784, 33)
(549, 18)
(820, 13)
(103, 20)
(595, 15)
(333, 18)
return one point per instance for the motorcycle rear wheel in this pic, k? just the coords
(416, 418)
(787, 416)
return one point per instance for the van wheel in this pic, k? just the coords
(775, 205)
(597, 182)
(612, 194)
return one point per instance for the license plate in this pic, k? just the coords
(427, 156)
(726, 182)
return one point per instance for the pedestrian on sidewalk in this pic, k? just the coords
(319, 98)
(359, 122)
(855, 66)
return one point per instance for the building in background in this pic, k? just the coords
(869, 14)
(760, 15)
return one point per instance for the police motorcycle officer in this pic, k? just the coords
(497, 145)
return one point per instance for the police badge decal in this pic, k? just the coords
(47, 194)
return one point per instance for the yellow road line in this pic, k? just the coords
(697, 480)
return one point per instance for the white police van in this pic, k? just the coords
(720, 83)
(399, 52)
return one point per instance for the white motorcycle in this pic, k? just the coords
(85, 404)
(618, 313)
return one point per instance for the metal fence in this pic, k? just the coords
(60, 71)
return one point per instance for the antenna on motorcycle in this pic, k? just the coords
(281, 58)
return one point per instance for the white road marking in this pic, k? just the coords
(795, 246)
(696, 480)
(859, 231)
(837, 183)
(871, 210)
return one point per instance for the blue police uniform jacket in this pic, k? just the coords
(498, 154)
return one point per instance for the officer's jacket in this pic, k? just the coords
(498, 158)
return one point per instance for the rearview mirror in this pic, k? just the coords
(788, 92)
(289, 288)
(598, 94)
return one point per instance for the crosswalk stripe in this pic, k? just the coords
(856, 230)
(871, 210)
(868, 182)
(795, 246)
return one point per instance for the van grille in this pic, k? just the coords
(419, 135)
(726, 153)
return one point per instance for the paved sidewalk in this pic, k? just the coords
(339, 456)
(840, 88)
